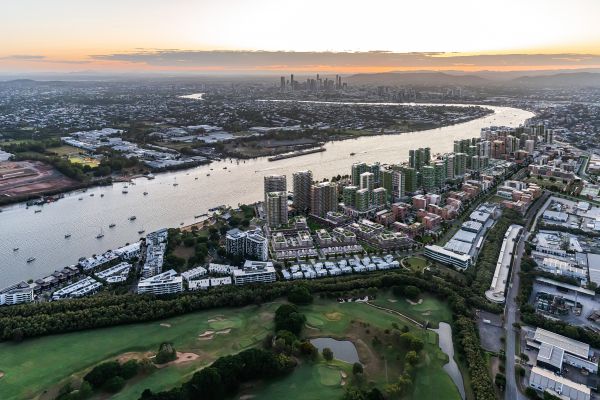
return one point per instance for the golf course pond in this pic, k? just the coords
(343, 350)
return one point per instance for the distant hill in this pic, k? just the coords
(416, 78)
(572, 79)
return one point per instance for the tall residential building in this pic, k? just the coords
(417, 158)
(276, 208)
(235, 242)
(302, 181)
(410, 179)
(450, 166)
(275, 183)
(362, 199)
(397, 185)
(357, 170)
(324, 198)
(257, 245)
(428, 177)
(375, 169)
(349, 195)
(529, 146)
(549, 136)
(440, 170)
(367, 181)
(379, 197)
(460, 164)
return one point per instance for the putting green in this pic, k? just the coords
(328, 375)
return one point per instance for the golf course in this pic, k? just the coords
(38, 368)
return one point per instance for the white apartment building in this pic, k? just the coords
(165, 283)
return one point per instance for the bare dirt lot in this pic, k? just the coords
(20, 179)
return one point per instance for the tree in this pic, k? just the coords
(412, 358)
(129, 369)
(166, 353)
(327, 354)
(300, 295)
(500, 381)
(357, 368)
(114, 384)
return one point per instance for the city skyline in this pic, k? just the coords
(270, 37)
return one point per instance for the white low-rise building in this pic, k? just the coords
(164, 283)
(18, 293)
(84, 287)
(255, 272)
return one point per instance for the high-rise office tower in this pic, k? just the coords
(397, 185)
(276, 208)
(302, 181)
(324, 198)
(282, 84)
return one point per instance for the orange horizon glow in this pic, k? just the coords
(116, 35)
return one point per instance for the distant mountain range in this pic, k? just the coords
(483, 78)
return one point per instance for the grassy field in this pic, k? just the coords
(307, 382)
(70, 356)
(91, 162)
(64, 150)
(417, 264)
(39, 364)
(429, 309)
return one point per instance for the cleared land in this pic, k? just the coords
(211, 334)
(26, 178)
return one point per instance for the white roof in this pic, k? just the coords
(571, 346)
(548, 380)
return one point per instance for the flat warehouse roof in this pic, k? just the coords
(571, 346)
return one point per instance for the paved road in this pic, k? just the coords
(511, 312)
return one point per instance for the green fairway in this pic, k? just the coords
(307, 382)
(434, 384)
(38, 364)
(429, 309)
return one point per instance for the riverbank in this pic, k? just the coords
(198, 189)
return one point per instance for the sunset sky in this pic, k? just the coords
(308, 35)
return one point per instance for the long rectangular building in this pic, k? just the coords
(255, 272)
(440, 254)
(544, 380)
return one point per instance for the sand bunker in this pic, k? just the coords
(208, 335)
(392, 300)
(1, 374)
(166, 325)
(334, 316)
(412, 303)
(181, 358)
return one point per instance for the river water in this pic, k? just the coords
(41, 234)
